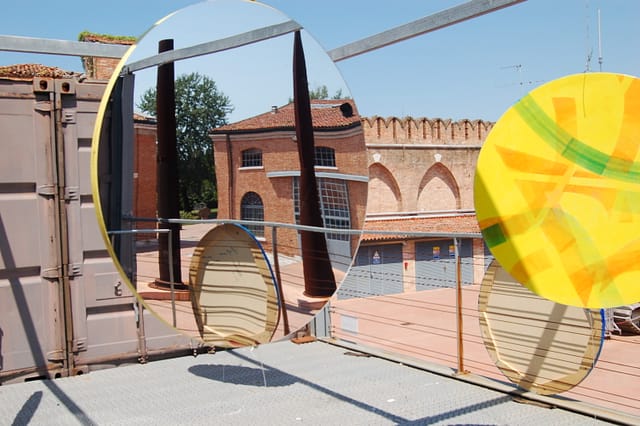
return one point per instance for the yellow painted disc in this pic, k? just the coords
(557, 190)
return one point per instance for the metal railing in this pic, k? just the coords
(403, 321)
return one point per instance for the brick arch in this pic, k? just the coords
(384, 192)
(438, 190)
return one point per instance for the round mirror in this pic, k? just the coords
(226, 145)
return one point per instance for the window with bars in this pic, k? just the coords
(251, 208)
(325, 156)
(252, 158)
(334, 204)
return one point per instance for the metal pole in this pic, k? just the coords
(276, 265)
(171, 275)
(167, 168)
(142, 340)
(445, 18)
(460, 347)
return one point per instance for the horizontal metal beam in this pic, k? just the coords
(448, 17)
(61, 47)
(214, 46)
(445, 18)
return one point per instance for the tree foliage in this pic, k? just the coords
(322, 92)
(200, 107)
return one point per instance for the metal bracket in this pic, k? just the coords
(68, 117)
(80, 345)
(75, 269)
(65, 86)
(71, 193)
(43, 84)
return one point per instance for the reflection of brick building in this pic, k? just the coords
(421, 180)
(257, 169)
(422, 165)
(145, 196)
(420, 175)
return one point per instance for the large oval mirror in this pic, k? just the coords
(226, 139)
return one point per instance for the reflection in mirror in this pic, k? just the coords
(183, 147)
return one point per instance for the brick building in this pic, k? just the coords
(257, 171)
(102, 68)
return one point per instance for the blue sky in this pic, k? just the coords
(476, 69)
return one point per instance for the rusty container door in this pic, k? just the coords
(32, 340)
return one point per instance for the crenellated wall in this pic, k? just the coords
(420, 164)
(423, 130)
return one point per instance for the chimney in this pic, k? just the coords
(274, 109)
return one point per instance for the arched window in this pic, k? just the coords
(252, 158)
(251, 208)
(325, 156)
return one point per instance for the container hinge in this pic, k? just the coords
(47, 190)
(71, 193)
(43, 106)
(51, 273)
(57, 355)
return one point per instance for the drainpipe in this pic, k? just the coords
(230, 179)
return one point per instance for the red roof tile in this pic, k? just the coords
(143, 118)
(457, 224)
(326, 114)
(29, 71)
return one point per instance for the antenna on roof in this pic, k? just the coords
(599, 42)
(587, 65)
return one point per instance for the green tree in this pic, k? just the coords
(200, 107)
(322, 92)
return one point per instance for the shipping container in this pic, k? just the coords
(64, 309)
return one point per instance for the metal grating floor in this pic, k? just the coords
(280, 383)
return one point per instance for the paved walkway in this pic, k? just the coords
(277, 384)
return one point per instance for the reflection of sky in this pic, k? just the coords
(254, 77)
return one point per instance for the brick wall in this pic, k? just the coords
(422, 165)
(102, 68)
(144, 177)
